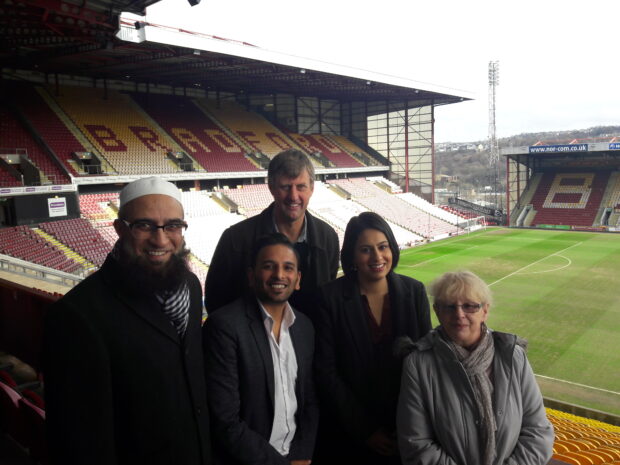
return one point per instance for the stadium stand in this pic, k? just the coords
(120, 130)
(322, 144)
(80, 236)
(253, 129)
(251, 199)
(8, 179)
(192, 129)
(569, 198)
(429, 208)
(395, 209)
(23, 243)
(49, 126)
(15, 136)
(582, 441)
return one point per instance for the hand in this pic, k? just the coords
(301, 462)
(382, 443)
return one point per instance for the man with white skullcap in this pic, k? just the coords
(123, 366)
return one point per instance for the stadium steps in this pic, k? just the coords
(169, 140)
(71, 126)
(69, 253)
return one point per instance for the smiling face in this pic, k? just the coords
(152, 250)
(372, 256)
(462, 327)
(291, 197)
(275, 275)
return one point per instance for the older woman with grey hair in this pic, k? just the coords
(468, 394)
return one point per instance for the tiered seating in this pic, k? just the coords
(79, 235)
(92, 206)
(200, 204)
(428, 207)
(394, 209)
(346, 144)
(14, 135)
(57, 136)
(195, 133)
(459, 212)
(255, 130)
(614, 198)
(569, 198)
(204, 233)
(320, 143)
(7, 179)
(252, 199)
(21, 242)
(119, 130)
(581, 441)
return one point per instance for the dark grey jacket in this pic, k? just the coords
(437, 417)
(240, 379)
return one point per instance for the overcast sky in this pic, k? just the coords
(559, 60)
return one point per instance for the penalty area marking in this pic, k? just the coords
(578, 384)
(554, 269)
(534, 263)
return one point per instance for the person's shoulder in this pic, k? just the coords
(321, 228)
(334, 287)
(229, 314)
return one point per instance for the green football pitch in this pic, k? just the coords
(558, 290)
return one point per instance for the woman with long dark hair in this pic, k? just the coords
(360, 316)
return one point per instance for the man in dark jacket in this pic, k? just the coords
(258, 354)
(124, 373)
(291, 182)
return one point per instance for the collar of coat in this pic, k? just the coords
(315, 236)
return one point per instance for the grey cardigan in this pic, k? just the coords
(437, 419)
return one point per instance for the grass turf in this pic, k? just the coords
(560, 290)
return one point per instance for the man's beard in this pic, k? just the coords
(149, 279)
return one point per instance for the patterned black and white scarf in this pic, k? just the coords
(175, 304)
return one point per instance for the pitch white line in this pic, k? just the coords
(432, 259)
(554, 269)
(533, 263)
(580, 385)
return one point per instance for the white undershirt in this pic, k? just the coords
(285, 376)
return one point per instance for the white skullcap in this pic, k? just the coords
(148, 186)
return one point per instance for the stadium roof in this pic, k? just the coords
(89, 38)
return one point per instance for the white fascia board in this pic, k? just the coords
(171, 36)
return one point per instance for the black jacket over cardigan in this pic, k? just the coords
(227, 276)
(121, 386)
(240, 379)
(348, 373)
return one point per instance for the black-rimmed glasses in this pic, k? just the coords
(143, 228)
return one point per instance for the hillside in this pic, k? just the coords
(471, 165)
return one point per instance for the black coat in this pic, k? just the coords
(240, 380)
(358, 393)
(121, 386)
(226, 279)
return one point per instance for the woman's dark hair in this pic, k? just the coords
(355, 227)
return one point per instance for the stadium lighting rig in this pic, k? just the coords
(493, 145)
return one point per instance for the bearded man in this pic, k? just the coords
(258, 353)
(123, 365)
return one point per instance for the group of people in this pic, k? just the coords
(292, 365)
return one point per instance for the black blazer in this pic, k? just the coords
(240, 380)
(346, 366)
(121, 386)
(226, 279)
